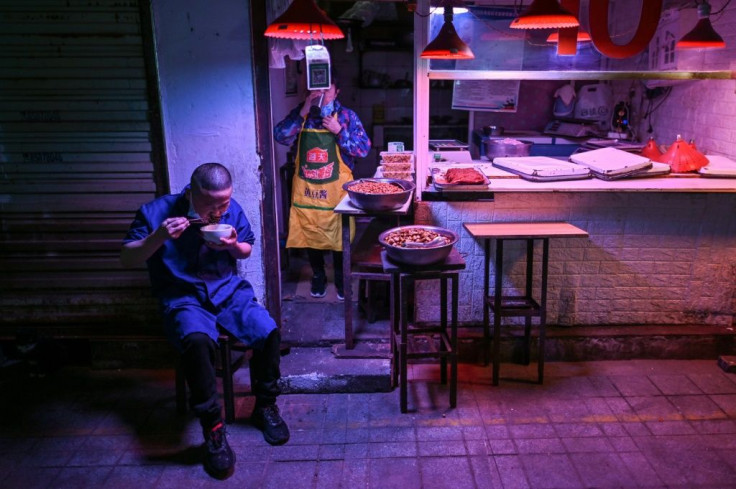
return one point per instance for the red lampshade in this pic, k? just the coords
(684, 158)
(304, 20)
(447, 44)
(545, 14)
(703, 36)
(583, 36)
(651, 151)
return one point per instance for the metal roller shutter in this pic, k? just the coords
(77, 158)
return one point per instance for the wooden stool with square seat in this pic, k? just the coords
(517, 305)
(404, 337)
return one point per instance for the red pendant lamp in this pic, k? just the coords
(447, 44)
(545, 14)
(703, 36)
(304, 20)
(582, 36)
(682, 158)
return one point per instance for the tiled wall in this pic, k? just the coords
(703, 110)
(651, 258)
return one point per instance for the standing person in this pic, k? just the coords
(328, 141)
(199, 289)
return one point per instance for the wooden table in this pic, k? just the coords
(347, 210)
(517, 305)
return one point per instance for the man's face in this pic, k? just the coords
(210, 204)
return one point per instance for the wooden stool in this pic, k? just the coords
(403, 345)
(517, 305)
(231, 356)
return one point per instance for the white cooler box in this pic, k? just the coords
(541, 168)
(612, 163)
(719, 167)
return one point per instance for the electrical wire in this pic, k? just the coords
(719, 11)
(651, 109)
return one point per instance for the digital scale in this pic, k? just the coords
(318, 67)
(447, 145)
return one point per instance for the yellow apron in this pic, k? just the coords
(316, 191)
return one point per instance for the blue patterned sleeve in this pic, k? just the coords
(288, 129)
(353, 139)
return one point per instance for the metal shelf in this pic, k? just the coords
(579, 75)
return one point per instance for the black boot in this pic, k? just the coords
(219, 459)
(265, 370)
(269, 421)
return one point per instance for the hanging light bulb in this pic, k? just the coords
(703, 36)
(447, 44)
(545, 14)
(349, 46)
(304, 20)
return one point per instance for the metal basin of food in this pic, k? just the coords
(421, 249)
(379, 201)
(506, 147)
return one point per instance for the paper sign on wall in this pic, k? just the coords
(486, 95)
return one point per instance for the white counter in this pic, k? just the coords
(503, 181)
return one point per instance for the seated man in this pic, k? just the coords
(199, 289)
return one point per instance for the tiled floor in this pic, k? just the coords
(319, 322)
(651, 424)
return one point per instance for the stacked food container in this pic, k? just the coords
(397, 164)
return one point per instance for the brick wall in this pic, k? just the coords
(651, 258)
(703, 110)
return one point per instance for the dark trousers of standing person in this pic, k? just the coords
(198, 361)
(317, 262)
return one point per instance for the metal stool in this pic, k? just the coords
(403, 336)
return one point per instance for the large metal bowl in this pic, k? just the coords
(419, 256)
(379, 202)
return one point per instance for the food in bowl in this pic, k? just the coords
(410, 237)
(374, 187)
(377, 198)
(418, 245)
(213, 232)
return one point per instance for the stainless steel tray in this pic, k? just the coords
(439, 182)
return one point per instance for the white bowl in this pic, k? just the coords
(213, 232)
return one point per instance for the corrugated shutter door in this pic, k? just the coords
(75, 140)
